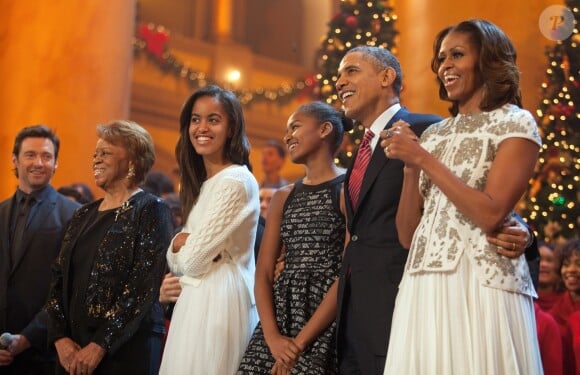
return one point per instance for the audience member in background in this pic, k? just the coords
(550, 286)
(266, 194)
(174, 204)
(215, 313)
(104, 313)
(71, 193)
(296, 333)
(273, 158)
(549, 338)
(461, 306)
(85, 190)
(566, 310)
(32, 223)
(158, 183)
(550, 342)
(78, 192)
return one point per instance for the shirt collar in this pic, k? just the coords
(36, 194)
(379, 124)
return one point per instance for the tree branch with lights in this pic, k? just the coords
(551, 204)
(358, 23)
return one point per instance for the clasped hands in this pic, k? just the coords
(286, 352)
(77, 360)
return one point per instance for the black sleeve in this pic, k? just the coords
(36, 331)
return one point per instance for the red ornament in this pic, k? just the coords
(155, 39)
(351, 21)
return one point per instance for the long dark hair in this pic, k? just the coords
(497, 64)
(236, 149)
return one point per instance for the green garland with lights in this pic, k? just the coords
(358, 23)
(154, 39)
(550, 205)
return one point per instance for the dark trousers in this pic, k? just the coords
(354, 358)
(29, 362)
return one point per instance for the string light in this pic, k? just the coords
(551, 203)
(153, 40)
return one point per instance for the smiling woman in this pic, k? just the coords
(213, 254)
(462, 180)
(566, 310)
(104, 313)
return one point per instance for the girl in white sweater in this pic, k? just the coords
(215, 313)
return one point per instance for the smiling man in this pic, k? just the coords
(32, 222)
(369, 85)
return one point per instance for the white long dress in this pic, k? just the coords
(462, 308)
(215, 314)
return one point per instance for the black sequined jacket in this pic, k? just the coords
(123, 286)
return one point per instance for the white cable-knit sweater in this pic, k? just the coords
(223, 221)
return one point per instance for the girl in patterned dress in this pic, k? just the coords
(462, 308)
(296, 333)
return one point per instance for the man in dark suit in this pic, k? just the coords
(369, 86)
(32, 222)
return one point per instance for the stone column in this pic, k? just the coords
(65, 64)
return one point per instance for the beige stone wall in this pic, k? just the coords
(66, 64)
(420, 20)
(71, 65)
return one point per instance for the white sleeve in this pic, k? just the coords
(227, 210)
(519, 124)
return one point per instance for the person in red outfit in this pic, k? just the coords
(566, 310)
(550, 342)
(550, 286)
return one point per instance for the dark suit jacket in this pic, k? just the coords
(24, 281)
(374, 258)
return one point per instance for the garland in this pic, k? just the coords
(154, 39)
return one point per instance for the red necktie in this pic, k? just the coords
(360, 166)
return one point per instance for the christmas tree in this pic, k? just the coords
(551, 204)
(359, 22)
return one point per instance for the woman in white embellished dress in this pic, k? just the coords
(215, 314)
(462, 308)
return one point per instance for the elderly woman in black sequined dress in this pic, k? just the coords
(104, 313)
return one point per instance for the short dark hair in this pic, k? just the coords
(497, 63)
(279, 147)
(382, 58)
(567, 250)
(158, 183)
(36, 131)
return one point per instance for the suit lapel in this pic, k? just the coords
(4, 239)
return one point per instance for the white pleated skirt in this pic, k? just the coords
(211, 325)
(448, 323)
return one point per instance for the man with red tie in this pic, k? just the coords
(369, 85)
